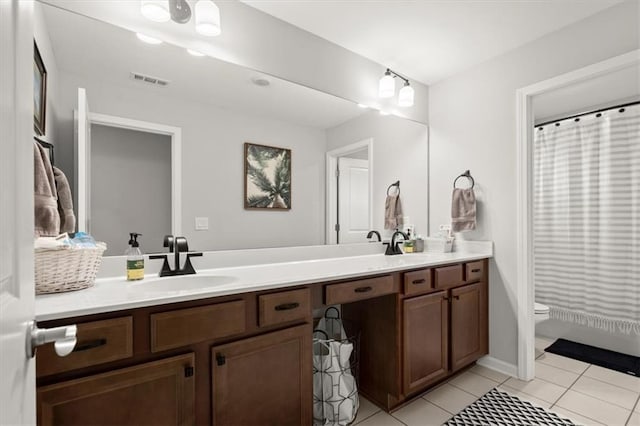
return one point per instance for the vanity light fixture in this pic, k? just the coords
(387, 88)
(148, 39)
(207, 14)
(155, 10)
(387, 85)
(195, 53)
(207, 18)
(406, 95)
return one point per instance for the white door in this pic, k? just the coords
(353, 200)
(17, 383)
(82, 134)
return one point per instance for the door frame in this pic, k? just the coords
(331, 197)
(175, 133)
(524, 140)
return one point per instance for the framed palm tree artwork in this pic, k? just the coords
(267, 177)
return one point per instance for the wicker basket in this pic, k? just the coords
(67, 269)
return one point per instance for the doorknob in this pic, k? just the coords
(63, 338)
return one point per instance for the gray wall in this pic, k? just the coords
(472, 126)
(400, 152)
(130, 188)
(212, 165)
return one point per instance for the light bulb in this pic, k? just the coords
(405, 97)
(387, 86)
(155, 10)
(148, 39)
(195, 52)
(207, 18)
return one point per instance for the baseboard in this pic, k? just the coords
(498, 365)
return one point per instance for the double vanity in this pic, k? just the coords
(233, 345)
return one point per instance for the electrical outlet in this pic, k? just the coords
(446, 227)
(202, 223)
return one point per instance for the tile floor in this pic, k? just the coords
(586, 394)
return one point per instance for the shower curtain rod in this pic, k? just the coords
(587, 113)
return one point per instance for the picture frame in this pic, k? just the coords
(39, 92)
(267, 177)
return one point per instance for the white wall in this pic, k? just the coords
(212, 165)
(257, 40)
(472, 120)
(400, 152)
(611, 89)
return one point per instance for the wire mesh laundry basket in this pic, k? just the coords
(336, 352)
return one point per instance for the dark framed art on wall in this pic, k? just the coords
(39, 92)
(267, 177)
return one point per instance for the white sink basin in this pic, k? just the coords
(181, 283)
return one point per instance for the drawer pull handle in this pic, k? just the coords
(456, 297)
(90, 345)
(475, 270)
(445, 298)
(363, 289)
(420, 281)
(287, 306)
(188, 371)
(220, 359)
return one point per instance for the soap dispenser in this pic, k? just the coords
(135, 259)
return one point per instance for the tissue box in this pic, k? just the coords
(438, 245)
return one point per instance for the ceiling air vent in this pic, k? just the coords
(136, 76)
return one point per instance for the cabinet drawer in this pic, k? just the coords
(186, 326)
(283, 307)
(448, 276)
(474, 271)
(98, 342)
(417, 282)
(358, 290)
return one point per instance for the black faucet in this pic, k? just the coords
(176, 245)
(393, 247)
(376, 233)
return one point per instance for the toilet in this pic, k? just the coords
(541, 312)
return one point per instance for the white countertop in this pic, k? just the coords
(114, 294)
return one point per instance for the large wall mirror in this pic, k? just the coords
(153, 139)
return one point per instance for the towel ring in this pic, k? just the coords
(467, 175)
(396, 184)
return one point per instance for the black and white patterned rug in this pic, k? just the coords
(500, 408)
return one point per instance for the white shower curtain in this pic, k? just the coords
(587, 219)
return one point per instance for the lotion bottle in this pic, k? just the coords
(135, 259)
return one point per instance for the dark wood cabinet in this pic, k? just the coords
(246, 359)
(425, 344)
(153, 393)
(264, 380)
(468, 324)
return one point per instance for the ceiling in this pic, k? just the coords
(102, 52)
(430, 40)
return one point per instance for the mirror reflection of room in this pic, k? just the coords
(163, 151)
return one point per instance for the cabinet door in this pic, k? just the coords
(425, 340)
(264, 380)
(468, 325)
(154, 393)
